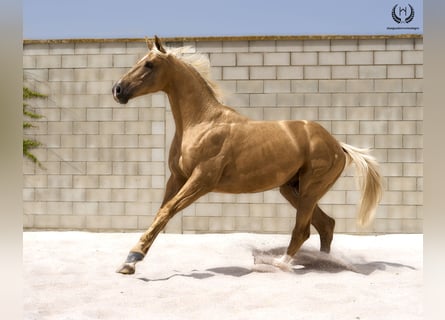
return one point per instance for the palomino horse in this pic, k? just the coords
(217, 149)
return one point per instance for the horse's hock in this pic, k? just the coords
(105, 164)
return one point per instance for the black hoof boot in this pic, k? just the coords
(129, 266)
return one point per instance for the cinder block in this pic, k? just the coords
(413, 198)
(345, 127)
(124, 222)
(413, 169)
(59, 208)
(400, 44)
(236, 73)
(233, 209)
(275, 113)
(344, 45)
(73, 141)
(262, 46)
(289, 45)
(209, 46)
(277, 225)
(98, 222)
(276, 59)
(125, 60)
(362, 113)
(413, 141)
(250, 86)
(60, 181)
(317, 100)
(412, 225)
(332, 113)
(305, 86)
(373, 127)
(359, 86)
(86, 208)
(289, 72)
(74, 61)
(317, 72)
(209, 209)
(372, 72)
(290, 100)
(60, 74)
(345, 72)
(331, 58)
(402, 127)
(46, 221)
(223, 59)
(333, 86)
(263, 73)
(388, 85)
(277, 86)
(235, 46)
(304, 58)
(113, 48)
(72, 222)
(35, 180)
(316, 45)
(54, 61)
(86, 74)
(412, 57)
(360, 58)
(402, 155)
(221, 224)
(388, 57)
(221, 197)
(388, 141)
(304, 113)
(401, 71)
(345, 99)
(249, 59)
(412, 85)
(372, 44)
(195, 223)
(263, 100)
(36, 49)
(402, 184)
(100, 61)
(249, 224)
(87, 48)
(262, 210)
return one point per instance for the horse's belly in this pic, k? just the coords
(255, 175)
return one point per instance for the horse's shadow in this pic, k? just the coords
(304, 262)
(208, 273)
(308, 261)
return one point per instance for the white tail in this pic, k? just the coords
(369, 180)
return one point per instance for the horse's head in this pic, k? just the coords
(146, 76)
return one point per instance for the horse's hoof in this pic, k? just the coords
(127, 268)
(284, 263)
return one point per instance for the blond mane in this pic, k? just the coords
(200, 63)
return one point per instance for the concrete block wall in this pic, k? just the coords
(104, 165)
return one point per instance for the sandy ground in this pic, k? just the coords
(71, 275)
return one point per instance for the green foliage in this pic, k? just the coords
(29, 144)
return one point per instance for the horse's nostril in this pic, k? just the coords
(117, 89)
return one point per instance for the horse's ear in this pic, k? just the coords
(159, 45)
(149, 43)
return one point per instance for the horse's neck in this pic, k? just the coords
(191, 99)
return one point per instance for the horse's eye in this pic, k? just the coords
(148, 64)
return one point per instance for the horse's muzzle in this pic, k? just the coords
(118, 94)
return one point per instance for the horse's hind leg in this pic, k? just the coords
(320, 220)
(325, 228)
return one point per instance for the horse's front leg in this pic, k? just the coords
(188, 193)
